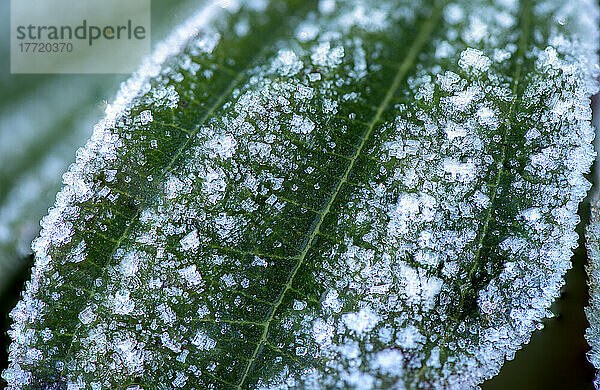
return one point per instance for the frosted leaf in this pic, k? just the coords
(43, 120)
(350, 194)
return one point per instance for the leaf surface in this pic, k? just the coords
(299, 194)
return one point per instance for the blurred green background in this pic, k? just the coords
(45, 118)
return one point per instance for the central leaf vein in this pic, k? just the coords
(401, 74)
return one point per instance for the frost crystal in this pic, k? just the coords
(474, 60)
(146, 117)
(203, 342)
(87, 315)
(361, 322)
(301, 125)
(190, 274)
(190, 241)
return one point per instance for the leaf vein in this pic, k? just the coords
(403, 69)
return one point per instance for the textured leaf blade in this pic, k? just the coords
(319, 196)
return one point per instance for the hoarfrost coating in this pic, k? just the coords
(307, 210)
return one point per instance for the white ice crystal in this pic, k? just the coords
(190, 241)
(326, 56)
(122, 303)
(224, 146)
(474, 60)
(146, 117)
(301, 125)
(87, 315)
(361, 322)
(592, 334)
(203, 342)
(287, 64)
(191, 276)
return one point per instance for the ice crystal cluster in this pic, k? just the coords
(353, 194)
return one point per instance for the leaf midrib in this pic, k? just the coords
(405, 66)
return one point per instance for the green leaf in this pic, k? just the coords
(293, 194)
